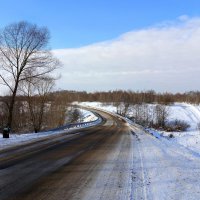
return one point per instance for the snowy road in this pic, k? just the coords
(111, 161)
(163, 170)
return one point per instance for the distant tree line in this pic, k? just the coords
(131, 97)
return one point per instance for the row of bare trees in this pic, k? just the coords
(152, 116)
(148, 115)
(39, 112)
(37, 99)
(131, 97)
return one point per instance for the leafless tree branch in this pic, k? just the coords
(24, 55)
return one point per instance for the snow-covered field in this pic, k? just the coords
(190, 139)
(18, 139)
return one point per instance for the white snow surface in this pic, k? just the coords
(165, 168)
(189, 113)
(18, 139)
(87, 116)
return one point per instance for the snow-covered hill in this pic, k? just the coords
(187, 112)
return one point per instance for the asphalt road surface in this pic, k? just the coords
(112, 161)
(94, 163)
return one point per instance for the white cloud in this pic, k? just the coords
(165, 57)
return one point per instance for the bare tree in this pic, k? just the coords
(161, 113)
(58, 110)
(37, 93)
(3, 113)
(24, 54)
(74, 115)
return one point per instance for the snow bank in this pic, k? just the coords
(191, 114)
(187, 112)
(24, 138)
(18, 139)
(87, 116)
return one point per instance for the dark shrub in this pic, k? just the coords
(177, 125)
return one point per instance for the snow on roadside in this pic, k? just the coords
(186, 112)
(18, 139)
(189, 113)
(180, 111)
(87, 116)
(190, 139)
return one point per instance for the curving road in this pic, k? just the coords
(93, 163)
(112, 161)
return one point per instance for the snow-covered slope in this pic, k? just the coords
(191, 114)
(187, 112)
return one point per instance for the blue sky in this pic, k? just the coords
(118, 44)
(76, 23)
